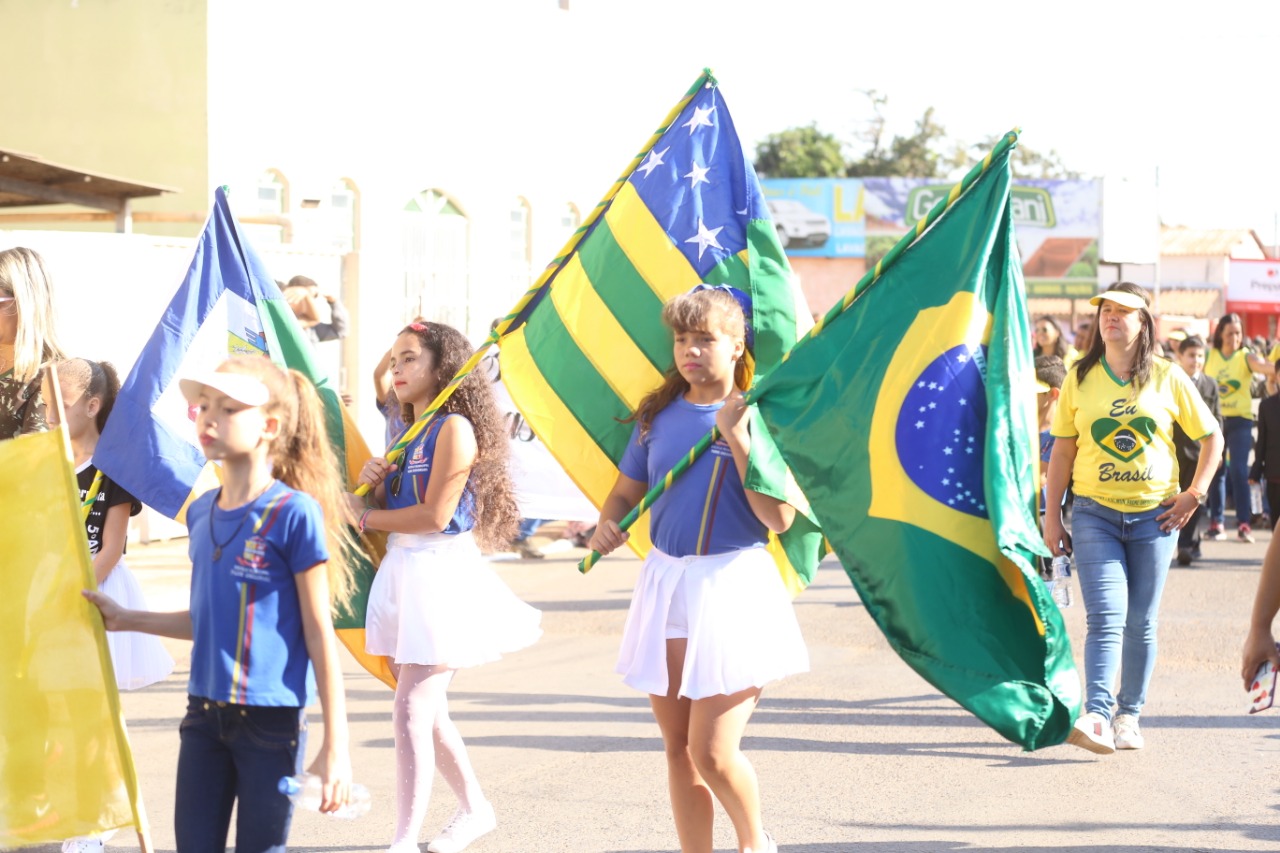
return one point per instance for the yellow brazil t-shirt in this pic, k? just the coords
(1235, 382)
(1124, 446)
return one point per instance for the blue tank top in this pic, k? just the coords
(408, 486)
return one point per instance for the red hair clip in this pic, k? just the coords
(417, 327)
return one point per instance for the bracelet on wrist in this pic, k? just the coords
(364, 516)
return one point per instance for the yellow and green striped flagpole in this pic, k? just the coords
(415, 429)
(1009, 140)
(86, 505)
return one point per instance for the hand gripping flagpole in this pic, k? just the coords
(1009, 141)
(495, 334)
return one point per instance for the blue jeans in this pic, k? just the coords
(528, 527)
(1238, 433)
(1122, 560)
(236, 753)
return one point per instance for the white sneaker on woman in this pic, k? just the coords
(464, 828)
(1092, 731)
(771, 846)
(1127, 733)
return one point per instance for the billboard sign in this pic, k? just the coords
(1057, 225)
(817, 217)
(1253, 286)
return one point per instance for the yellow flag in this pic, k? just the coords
(65, 764)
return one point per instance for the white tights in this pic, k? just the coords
(426, 741)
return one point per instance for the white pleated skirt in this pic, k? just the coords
(139, 659)
(435, 600)
(738, 617)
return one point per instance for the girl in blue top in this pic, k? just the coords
(435, 605)
(263, 585)
(710, 621)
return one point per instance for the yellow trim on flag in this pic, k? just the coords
(557, 428)
(611, 351)
(237, 671)
(648, 247)
(790, 579)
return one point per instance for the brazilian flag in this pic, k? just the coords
(909, 424)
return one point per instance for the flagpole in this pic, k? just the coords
(504, 324)
(1008, 141)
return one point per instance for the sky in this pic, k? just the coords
(1118, 89)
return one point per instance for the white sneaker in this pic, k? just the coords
(1092, 731)
(771, 846)
(1127, 733)
(464, 828)
(83, 845)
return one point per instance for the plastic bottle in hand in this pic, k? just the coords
(304, 790)
(1060, 580)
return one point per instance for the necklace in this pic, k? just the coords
(218, 546)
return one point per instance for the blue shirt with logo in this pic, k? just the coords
(249, 646)
(705, 511)
(407, 486)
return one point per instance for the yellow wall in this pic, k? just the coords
(112, 86)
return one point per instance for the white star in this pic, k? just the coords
(933, 386)
(933, 405)
(963, 401)
(705, 238)
(919, 424)
(700, 119)
(922, 408)
(957, 432)
(654, 161)
(946, 481)
(951, 503)
(962, 358)
(946, 450)
(699, 175)
(971, 439)
(951, 470)
(920, 384)
(968, 450)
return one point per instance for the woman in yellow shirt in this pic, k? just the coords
(1049, 341)
(1114, 439)
(1232, 365)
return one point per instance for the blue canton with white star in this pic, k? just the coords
(699, 186)
(941, 430)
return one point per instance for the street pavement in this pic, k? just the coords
(858, 755)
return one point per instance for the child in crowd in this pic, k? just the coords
(1050, 372)
(88, 392)
(266, 571)
(1191, 356)
(710, 620)
(1266, 452)
(435, 605)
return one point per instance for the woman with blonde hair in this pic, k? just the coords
(27, 340)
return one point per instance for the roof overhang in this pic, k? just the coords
(27, 180)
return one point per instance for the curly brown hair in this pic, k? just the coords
(497, 515)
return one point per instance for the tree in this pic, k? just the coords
(1029, 163)
(800, 152)
(926, 153)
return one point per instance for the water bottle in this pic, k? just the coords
(304, 790)
(1060, 580)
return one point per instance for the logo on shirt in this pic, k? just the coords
(1228, 386)
(1125, 441)
(416, 457)
(255, 553)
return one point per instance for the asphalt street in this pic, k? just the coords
(858, 755)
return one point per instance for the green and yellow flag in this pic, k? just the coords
(66, 768)
(909, 423)
(588, 348)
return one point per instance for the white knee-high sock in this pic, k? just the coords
(420, 696)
